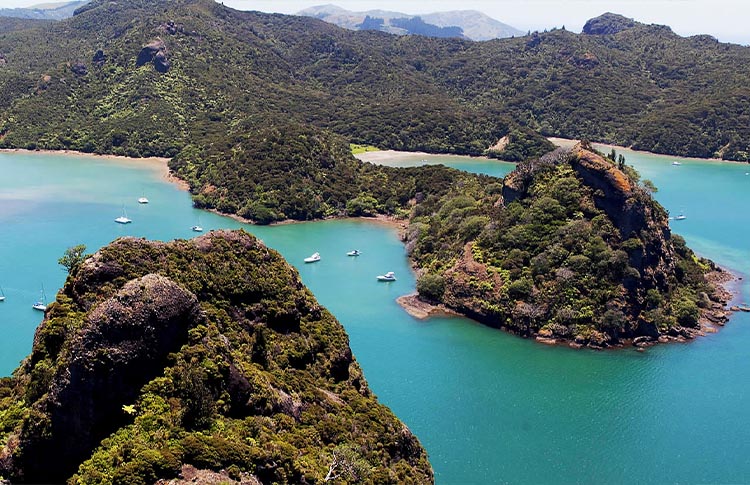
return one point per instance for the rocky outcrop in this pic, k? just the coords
(99, 58)
(635, 215)
(157, 356)
(123, 344)
(608, 24)
(154, 52)
(587, 60)
(79, 69)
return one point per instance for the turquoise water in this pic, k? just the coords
(495, 168)
(489, 407)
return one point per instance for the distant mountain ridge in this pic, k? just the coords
(474, 25)
(45, 11)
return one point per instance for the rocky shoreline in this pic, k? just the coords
(712, 318)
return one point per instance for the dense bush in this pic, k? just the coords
(552, 260)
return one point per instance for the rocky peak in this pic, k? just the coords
(633, 212)
(158, 346)
(608, 24)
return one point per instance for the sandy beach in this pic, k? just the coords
(386, 155)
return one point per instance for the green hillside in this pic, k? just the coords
(571, 247)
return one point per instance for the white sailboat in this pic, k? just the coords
(197, 227)
(41, 304)
(142, 200)
(123, 219)
(2, 294)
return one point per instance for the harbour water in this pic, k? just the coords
(488, 406)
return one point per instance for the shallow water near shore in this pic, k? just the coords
(489, 407)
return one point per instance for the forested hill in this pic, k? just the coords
(570, 247)
(621, 82)
(144, 78)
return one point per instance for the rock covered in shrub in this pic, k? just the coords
(206, 355)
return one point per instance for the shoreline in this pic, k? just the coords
(725, 281)
(711, 320)
(380, 156)
(161, 164)
(381, 219)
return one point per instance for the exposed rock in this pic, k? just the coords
(608, 24)
(644, 341)
(3, 61)
(190, 474)
(546, 341)
(123, 345)
(171, 27)
(586, 61)
(156, 53)
(79, 69)
(99, 58)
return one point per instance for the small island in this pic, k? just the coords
(567, 248)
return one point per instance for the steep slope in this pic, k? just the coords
(570, 247)
(232, 92)
(208, 353)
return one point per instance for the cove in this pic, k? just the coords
(488, 406)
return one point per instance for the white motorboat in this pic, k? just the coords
(353, 253)
(389, 276)
(676, 163)
(313, 259)
(197, 229)
(2, 295)
(123, 219)
(143, 200)
(41, 304)
(680, 217)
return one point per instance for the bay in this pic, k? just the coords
(489, 407)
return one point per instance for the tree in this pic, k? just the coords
(620, 161)
(73, 257)
(346, 463)
(649, 186)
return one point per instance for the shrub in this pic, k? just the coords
(431, 286)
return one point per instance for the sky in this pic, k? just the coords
(727, 20)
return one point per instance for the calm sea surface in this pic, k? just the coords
(489, 407)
